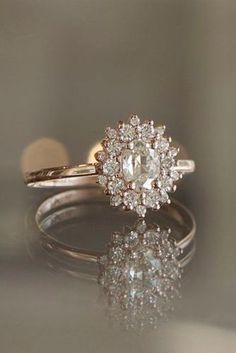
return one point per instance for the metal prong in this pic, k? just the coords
(132, 186)
(155, 144)
(131, 145)
(99, 156)
(121, 124)
(174, 187)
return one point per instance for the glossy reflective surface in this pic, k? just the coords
(68, 70)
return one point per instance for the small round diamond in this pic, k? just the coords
(131, 239)
(151, 199)
(115, 186)
(151, 236)
(114, 147)
(102, 179)
(164, 198)
(102, 260)
(141, 226)
(168, 162)
(166, 184)
(110, 167)
(117, 238)
(134, 120)
(162, 145)
(175, 175)
(147, 131)
(131, 199)
(111, 133)
(127, 133)
(141, 210)
(100, 156)
(116, 200)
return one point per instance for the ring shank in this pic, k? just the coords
(67, 205)
(82, 174)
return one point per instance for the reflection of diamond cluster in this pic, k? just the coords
(140, 273)
(136, 165)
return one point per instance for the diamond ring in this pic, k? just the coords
(137, 167)
(139, 266)
(73, 209)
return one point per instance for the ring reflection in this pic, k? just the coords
(138, 264)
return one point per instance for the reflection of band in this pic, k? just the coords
(81, 174)
(66, 205)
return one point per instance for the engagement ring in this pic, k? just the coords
(137, 263)
(137, 167)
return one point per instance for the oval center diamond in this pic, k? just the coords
(140, 165)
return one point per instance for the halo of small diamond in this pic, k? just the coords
(160, 155)
(140, 273)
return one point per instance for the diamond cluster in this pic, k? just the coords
(141, 273)
(137, 165)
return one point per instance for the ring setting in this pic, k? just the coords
(141, 266)
(137, 166)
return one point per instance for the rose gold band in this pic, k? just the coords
(82, 174)
(61, 207)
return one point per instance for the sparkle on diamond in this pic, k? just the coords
(137, 165)
(140, 165)
(110, 167)
(134, 275)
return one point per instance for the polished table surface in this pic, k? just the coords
(68, 70)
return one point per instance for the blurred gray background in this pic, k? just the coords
(68, 70)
